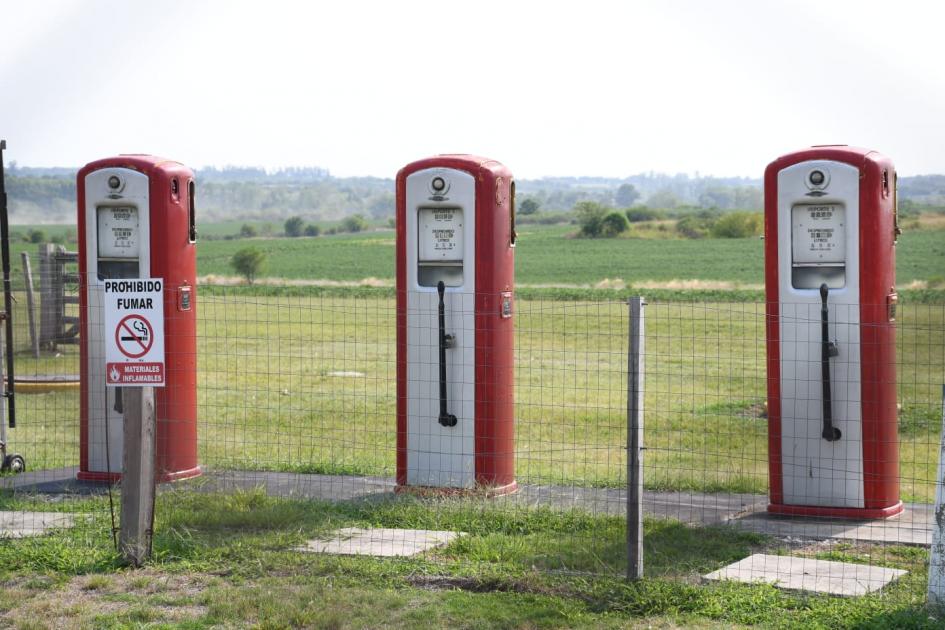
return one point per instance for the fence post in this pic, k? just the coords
(937, 552)
(30, 303)
(635, 389)
(47, 292)
(137, 475)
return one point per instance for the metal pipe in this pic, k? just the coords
(7, 288)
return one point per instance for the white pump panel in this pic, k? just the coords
(118, 244)
(818, 243)
(441, 245)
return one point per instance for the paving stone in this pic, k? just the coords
(22, 524)
(354, 541)
(808, 574)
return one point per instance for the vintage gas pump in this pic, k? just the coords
(455, 280)
(830, 274)
(136, 219)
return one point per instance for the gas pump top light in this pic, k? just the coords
(439, 185)
(817, 179)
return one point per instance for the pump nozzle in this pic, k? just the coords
(827, 349)
(446, 419)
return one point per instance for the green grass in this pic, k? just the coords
(226, 561)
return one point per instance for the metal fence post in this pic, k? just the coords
(937, 552)
(635, 389)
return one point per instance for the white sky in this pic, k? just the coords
(549, 88)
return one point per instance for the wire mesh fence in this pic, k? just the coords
(297, 401)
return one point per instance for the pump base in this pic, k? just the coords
(836, 512)
(99, 476)
(487, 492)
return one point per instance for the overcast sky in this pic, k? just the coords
(549, 88)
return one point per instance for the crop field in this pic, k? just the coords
(547, 255)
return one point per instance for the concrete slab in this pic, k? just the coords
(23, 524)
(806, 574)
(912, 527)
(380, 542)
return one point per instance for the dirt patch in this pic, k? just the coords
(82, 598)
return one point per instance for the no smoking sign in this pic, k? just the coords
(134, 332)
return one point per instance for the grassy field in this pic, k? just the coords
(546, 255)
(303, 383)
(227, 561)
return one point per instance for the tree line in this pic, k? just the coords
(48, 195)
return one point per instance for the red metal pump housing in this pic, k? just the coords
(136, 219)
(455, 282)
(830, 275)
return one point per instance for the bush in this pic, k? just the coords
(696, 225)
(638, 215)
(312, 230)
(249, 262)
(354, 223)
(248, 231)
(614, 224)
(37, 236)
(590, 216)
(294, 226)
(738, 225)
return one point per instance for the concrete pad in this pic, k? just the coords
(913, 527)
(807, 574)
(22, 524)
(355, 541)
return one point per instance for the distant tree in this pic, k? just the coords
(37, 236)
(626, 196)
(312, 230)
(267, 229)
(248, 231)
(613, 224)
(294, 226)
(590, 216)
(354, 223)
(663, 199)
(529, 205)
(249, 262)
(642, 213)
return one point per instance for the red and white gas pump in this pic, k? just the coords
(136, 220)
(830, 275)
(455, 281)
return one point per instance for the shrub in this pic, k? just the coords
(696, 225)
(248, 231)
(638, 215)
(294, 226)
(312, 230)
(354, 223)
(613, 224)
(249, 262)
(590, 216)
(37, 236)
(737, 225)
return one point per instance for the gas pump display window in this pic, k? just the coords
(441, 234)
(118, 232)
(819, 234)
